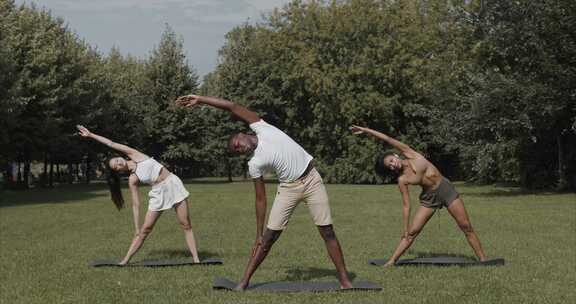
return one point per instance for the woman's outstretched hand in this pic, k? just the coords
(188, 101)
(83, 131)
(358, 130)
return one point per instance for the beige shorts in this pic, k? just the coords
(167, 193)
(309, 189)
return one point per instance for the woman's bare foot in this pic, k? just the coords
(123, 263)
(196, 260)
(389, 263)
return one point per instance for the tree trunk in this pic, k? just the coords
(70, 172)
(77, 172)
(51, 175)
(8, 175)
(26, 178)
(87, 173)
(45, 171)
(78, 167)
(229, 169)
(562, 180)
(19, 176)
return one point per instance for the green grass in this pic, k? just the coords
(47, 238)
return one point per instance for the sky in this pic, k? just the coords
(135, 26)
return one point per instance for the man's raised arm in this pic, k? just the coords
(238, 110)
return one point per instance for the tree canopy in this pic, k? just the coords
(485, 89)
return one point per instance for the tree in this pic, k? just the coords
(176, 136)
(518, 109)
(314, 68)
(50, 85)
(8, 105)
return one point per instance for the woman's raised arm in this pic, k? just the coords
(130, 152)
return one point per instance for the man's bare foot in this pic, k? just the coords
(241, 286)
(346, 284)
(122, 263)
(196, 260)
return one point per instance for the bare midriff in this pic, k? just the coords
(430, 180)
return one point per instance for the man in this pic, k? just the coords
(298, 178)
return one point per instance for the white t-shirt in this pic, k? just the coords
(277, 151)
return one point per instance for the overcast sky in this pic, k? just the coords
(135, 26)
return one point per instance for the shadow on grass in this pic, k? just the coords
(310, 273)
(512, 192)
(428, 254)
(219, 181)
(502, 193)
(208, 182)
(175, 254)
(64, 193)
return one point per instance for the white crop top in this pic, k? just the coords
(148, 170)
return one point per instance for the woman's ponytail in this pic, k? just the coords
(113, 180)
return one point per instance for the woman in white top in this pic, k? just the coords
(167, 192)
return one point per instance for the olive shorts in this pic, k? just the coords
(440, 197)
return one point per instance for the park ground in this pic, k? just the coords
(48, 237)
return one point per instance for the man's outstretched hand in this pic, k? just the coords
(188, 101)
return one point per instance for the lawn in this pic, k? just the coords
(48, 237)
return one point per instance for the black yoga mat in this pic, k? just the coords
(440, 261)
(226, 284)
(154, 263)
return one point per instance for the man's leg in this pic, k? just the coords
(317, 201)
(423, 214)
(287, 198)
(268, 239)
(335, 252)
(459, 214)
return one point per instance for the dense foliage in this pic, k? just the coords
(485, 89)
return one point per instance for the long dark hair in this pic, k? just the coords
(113, 180)
(379, 166)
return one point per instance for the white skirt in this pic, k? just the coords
(167, 193)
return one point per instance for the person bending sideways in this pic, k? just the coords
(167, 192)
(299, 181)
(437, 192)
